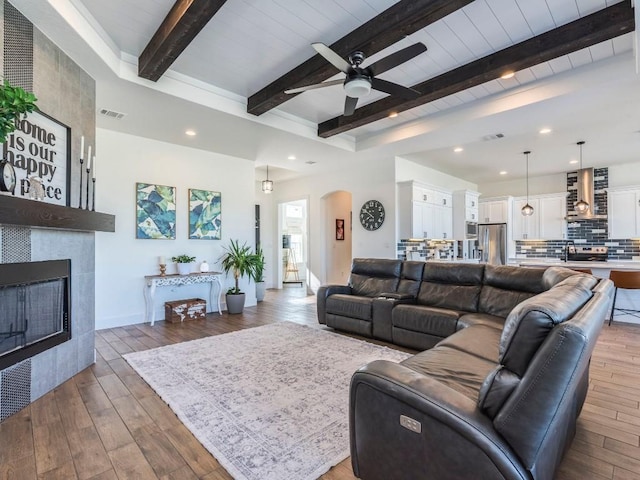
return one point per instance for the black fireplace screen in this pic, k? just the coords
(34, 308)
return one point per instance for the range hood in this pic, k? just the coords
(586, 192)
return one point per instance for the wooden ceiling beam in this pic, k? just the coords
(600, 26)
(181, 25)
(389, 27)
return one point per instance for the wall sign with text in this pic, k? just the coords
(40, 147)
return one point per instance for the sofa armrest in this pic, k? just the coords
(381, 313)
(321, 298)
(397, 296)
(456, 440)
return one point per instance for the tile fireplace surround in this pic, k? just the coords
(36, 231)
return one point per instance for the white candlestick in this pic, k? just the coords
(94, 167)
(162, 260)
(81, 147)
(89, 162)
(89, 155)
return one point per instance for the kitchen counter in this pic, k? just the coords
(611, 265)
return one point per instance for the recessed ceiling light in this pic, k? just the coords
(545, 130)
(458, 149)
(393, 114)
(507, 75)
(291, 157)
(573, 162)
(191, 133)
(503, 172)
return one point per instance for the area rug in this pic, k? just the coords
(269, 403)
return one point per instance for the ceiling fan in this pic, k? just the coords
(360, 80)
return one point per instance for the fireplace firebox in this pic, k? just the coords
(35, 303)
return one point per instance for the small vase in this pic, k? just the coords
(184, 268)
(204, 266)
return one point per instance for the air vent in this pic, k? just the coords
(310, 162)
(494, 136)
(111, 113)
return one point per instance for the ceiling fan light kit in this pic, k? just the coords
(359, 81)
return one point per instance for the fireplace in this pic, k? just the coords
(35, 302)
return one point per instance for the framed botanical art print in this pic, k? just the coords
(155, 211)
(205, 222)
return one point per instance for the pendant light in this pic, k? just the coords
(581, 205)
(267, 185)
(527, 210)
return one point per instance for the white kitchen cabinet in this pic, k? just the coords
(465, 209)
(526, 227)
(424, 212)
(553, 212)
(548, 219)
(493, 211)
(624, 212)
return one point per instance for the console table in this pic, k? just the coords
(153, 281)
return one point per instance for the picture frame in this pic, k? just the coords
(205, 214)
(155, 211)
(40, 147)
(339, 228)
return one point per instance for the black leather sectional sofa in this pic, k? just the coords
(504, 372)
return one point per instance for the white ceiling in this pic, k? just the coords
(592, 94)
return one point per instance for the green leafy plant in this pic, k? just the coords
(183, 259)
(257, 272)
(14, 102)
(239, 260)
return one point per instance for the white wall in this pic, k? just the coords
(407, 170)
(338, 259)
(267, 232)
(365, 181)
(122, 261)
(619, 176)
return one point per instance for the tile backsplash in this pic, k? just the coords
(425, 250)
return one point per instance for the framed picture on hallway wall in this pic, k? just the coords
(339, 228)
(155, 211)
(204, 215)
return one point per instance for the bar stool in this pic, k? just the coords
(625, 280)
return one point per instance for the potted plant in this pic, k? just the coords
(183, 262)
(239, 260)
(257, 273)
(14, 102)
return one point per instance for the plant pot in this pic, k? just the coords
(235, 303)
(261, 288)
(184, 268)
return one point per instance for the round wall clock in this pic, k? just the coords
(372, 215)
(7, 176)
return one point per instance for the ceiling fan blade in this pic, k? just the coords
(332, 57)
(350, 106)
(317, 85)
(397, 58)
(394, 89)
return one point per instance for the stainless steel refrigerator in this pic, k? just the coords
(492, 243)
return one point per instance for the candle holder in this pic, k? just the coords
(88, 171)
(80, 196)
(163, 269)
(93, 202)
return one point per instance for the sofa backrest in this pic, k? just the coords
(373, 276)
(410, 277)
(538, 417)
(451, 285)
(507, 286)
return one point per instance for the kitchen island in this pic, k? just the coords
(629, 299)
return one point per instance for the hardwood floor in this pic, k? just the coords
(106, 423)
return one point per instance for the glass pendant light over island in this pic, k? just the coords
(267, 185)
(581, 205)
(527, 210)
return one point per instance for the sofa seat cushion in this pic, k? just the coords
(482, 341)
(350, 306)
(459, 370)
(440, 322)
(469, 319)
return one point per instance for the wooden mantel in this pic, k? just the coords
(30, 213)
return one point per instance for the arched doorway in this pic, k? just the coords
(338, 251)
